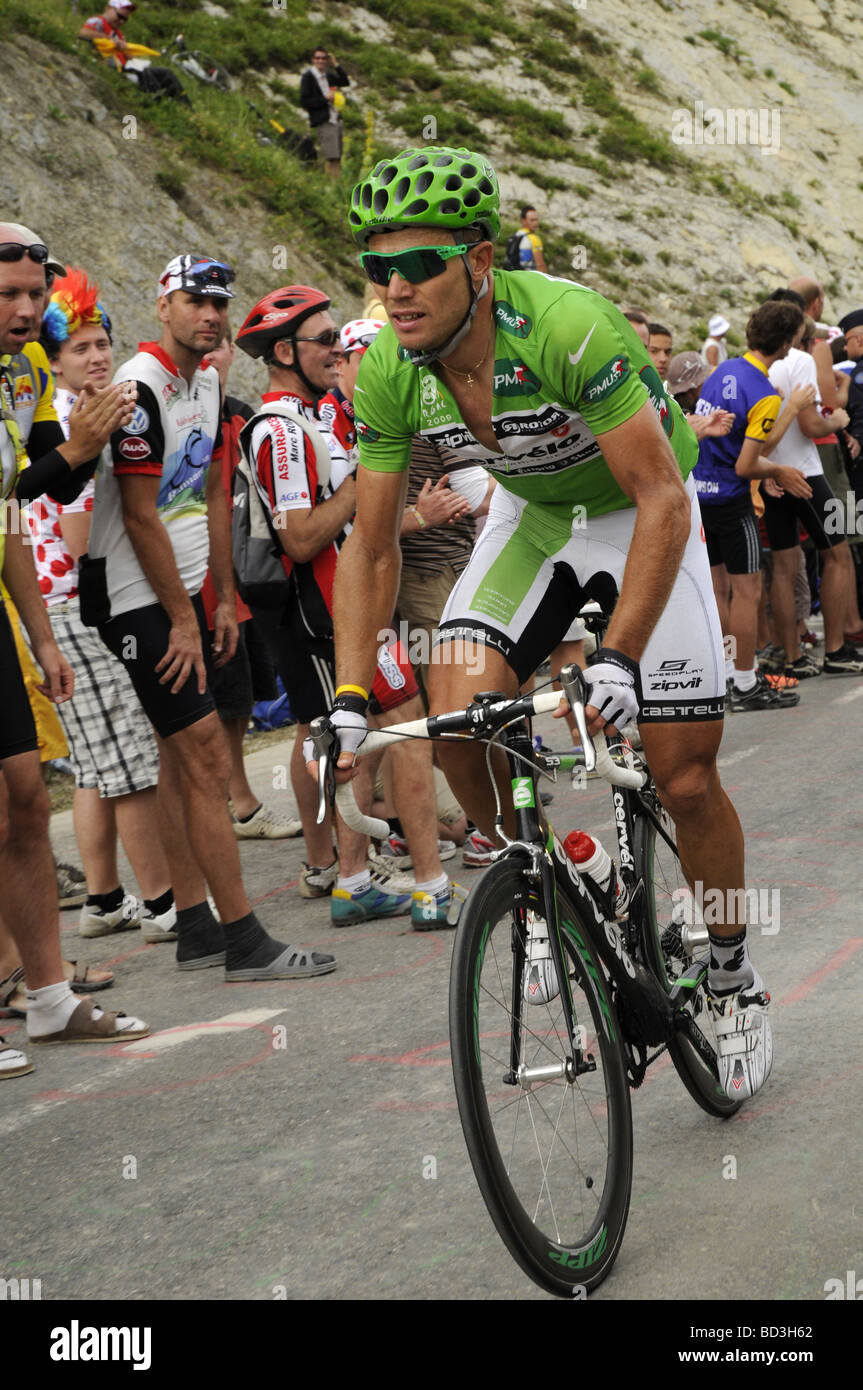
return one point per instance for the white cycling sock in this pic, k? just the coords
(355, 883)
(730, 966)
(433, 885)
(744, 680)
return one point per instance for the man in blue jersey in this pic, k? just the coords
(726, 467)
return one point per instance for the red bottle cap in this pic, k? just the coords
(579, 846)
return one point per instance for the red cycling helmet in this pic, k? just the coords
(279, 315)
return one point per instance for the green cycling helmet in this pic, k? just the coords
(436, 186)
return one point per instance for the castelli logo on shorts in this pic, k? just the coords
(134, 448)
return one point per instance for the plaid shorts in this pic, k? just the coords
(111, 743)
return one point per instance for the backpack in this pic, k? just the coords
(512, 255)
(255, 546)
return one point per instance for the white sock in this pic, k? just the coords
(50, 1008)
(355, 883)
(744, 680)
(433, 885)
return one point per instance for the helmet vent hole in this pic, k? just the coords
(366, 196)
(416, 207)
(389, 174)
(380, 201)
(472, 197)
(443, 160)
(419, 161)
(453, 182)
(450, 207)
(424, 180)
(402, 189)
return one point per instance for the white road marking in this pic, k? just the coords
(175, 1037)
(855, 694)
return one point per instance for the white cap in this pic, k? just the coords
(29, 238)
(717, 326)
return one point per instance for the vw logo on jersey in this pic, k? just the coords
(139, 422)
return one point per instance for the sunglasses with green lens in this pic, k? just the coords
(415, 265)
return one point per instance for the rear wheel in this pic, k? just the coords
(692, 1050)
(552, 1154)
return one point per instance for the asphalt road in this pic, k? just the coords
(263, 1171)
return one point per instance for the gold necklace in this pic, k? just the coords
(469, 378)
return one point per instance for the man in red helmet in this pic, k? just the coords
(294, 333)
(159, 515)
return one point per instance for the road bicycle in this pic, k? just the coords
(542, 1077)
(196, 64)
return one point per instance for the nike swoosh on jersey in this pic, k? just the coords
(575, 357)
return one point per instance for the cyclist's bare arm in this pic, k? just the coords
(641, 461)
(367, 577)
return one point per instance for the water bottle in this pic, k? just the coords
(596, 863)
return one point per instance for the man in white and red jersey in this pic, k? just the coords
(293, 332)
(159, 515)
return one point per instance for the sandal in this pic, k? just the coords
(13, 1062)
(84, 1028)
(82, 980)
(12, 985)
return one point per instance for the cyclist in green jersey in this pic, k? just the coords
(547, 385)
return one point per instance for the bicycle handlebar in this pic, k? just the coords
(477, 719)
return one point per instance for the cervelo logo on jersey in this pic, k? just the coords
(606, 380)
(514, 378)
(134, 448)
(139, 422)
(515, 324)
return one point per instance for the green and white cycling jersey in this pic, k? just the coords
(568, 367)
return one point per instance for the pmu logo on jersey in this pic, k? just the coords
(514, 378)
(516, 324)
(606, 380)
(366, 432)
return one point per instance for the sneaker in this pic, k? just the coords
(771, 658)
(761, 696)
(94, 921)
(71, 886)
(432, 910)
(364, 905)
(395, 849)
(159, 926)
(744, 1037)
(385, 877)
(267, 825)
(477, 851)
(803, 667)
(318, 883)
(847, 661)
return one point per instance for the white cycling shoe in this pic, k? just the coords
(744, 1037)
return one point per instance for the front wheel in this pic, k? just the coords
(693, 1049)
(552, 1154)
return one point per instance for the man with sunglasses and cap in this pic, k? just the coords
(547, 385)
(159, 515)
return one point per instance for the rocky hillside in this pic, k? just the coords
(683, 162)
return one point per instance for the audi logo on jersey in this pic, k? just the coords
(136, 448)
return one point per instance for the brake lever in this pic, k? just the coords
(323, 738)
(575, 690)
